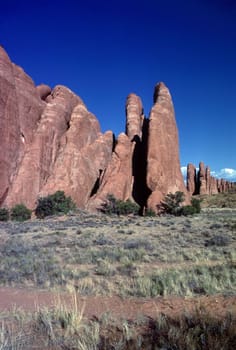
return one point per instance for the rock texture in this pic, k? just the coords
(134, 117)
(20, 111)
(117, 179)
(40, 155)
(44, 91)
(191, 179)
(202, 182)
(163, 165)
(50, 141)
(82, 160)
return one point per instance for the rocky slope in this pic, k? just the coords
(50, 141)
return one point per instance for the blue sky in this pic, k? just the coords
(103, 50)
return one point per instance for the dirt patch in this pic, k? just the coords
(95, 306)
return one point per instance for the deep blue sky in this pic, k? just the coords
(103, 50)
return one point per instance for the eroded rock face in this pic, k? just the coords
(134, 117)
(20, 111)
(213, 186)
(117, 179)
(202, 179)
(9, 127)
(40, 155)
(163, 165)
(84, 155)
(44, 91)
(50, 141)
(191, 179)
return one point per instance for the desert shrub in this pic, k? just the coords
(149, 212)
(196, 204)
(127, 207)
(172, 203)
(119, 207)
(192, 209)
(218, 240)
(20, 213)
(4, 214)
(188, 210)
(57, 203)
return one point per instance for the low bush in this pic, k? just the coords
(218, 240)
(173, 205)
(20, 213)
(4, 214)
(119, 207)
(149, 212)
(196, 204)
(188, 210)
(54, 204)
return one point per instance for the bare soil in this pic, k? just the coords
(131, 308)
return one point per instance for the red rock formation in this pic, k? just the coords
(117, 179)
(202, 179)
(213, 186)
(208, 180)
(44, 91)
(191, 179)
(163, 165)
(40, 155)
(136, 130)
(218, 183)
(50, 141)
(205, 183)
(134, 116)
(84, 156)
(20, 110)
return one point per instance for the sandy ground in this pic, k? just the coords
(96, 306)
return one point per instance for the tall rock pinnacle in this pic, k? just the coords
(134, 116)
(163, 165)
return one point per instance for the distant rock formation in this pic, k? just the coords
(191, 179)
(50, 141)
(202, 182)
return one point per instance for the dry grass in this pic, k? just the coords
(221, 200)
(123, 255)
(65, 328)
(128, 256)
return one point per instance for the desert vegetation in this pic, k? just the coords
(18, 213)
(173, 205)
(130, 257)
(55, 204)
(82, 250)
(65, 327)
(116, 206)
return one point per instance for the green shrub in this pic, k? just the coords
(188, 210)
(119, 207)
(54, 204)
(172, 204)
(150, 212)
(127, 207)
(4, 214)
(196, 203)
(20, 213)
